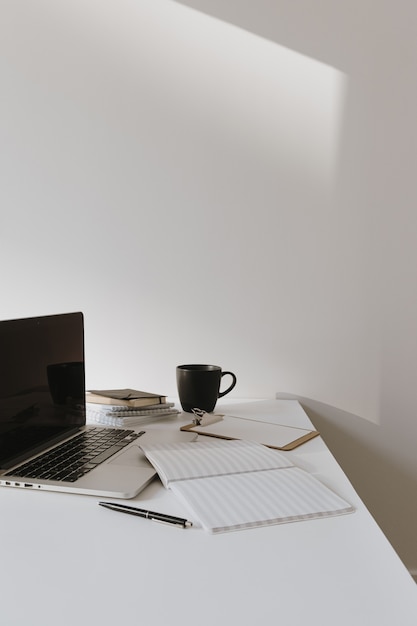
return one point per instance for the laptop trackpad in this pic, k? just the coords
(132, 457)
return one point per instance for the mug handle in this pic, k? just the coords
(223, 393)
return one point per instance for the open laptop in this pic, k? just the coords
(42, 416)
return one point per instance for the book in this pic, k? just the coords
(124, 397)
(233, 484)
(116, 410)
(113, 415)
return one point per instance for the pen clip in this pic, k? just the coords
(184, 524)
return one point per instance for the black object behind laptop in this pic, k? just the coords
(44, 442)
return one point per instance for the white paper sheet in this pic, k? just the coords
(211, 457)
(267, 433)
(240, 501)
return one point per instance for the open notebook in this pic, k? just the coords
(232, 485)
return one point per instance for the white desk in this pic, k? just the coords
(66, 561)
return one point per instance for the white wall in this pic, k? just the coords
(236, 188)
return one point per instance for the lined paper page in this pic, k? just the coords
(264, 498)
(195, 459)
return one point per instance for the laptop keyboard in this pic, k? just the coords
(73, 459)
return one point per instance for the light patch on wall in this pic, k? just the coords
(290, 106)
(287, 106)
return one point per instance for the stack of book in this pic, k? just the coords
(126, 407)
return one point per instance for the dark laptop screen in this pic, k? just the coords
(42, 382)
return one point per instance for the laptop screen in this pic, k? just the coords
(42, 383)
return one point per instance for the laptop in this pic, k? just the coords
(45, 443)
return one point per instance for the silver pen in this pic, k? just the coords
(152, 515)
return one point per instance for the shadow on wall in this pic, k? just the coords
(360, 448)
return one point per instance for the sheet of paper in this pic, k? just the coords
(240, 501)
(267, 433)
(211, 457)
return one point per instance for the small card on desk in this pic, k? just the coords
(273, 435)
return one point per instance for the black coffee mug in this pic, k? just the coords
(199, 386)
